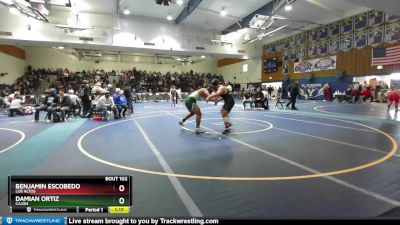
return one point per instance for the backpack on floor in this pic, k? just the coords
(56, 117)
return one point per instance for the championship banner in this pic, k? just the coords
(360, 39)
(334, 29)
(392, 32)
(323, 48)
(280, 46)
(313, 35)
(334, 45)
(292, 42)
(285, 56)
(326, 63)
(301, 52)
(347, 42)
(323, 33)
(273, 47)
(312, 50)
(375, 36)
(391, 18)
(301, 39)
(361, 21)
(287, 43)
(346, 25)
(375, 18)
(293, 54)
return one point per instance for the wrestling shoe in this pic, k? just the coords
(181, 123)
(199, 131)
(226, 131)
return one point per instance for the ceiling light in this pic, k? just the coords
(169, 17)
(223, 12)
(179, 2)
(60, 47)
(14, 11)
(127, 12)
(379, 67)
(288, 7)
(203, 56)
(163, 2)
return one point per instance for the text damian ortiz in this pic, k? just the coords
(24, 200)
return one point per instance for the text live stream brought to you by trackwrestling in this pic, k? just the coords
(57, 220)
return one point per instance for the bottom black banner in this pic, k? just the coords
(205, 221)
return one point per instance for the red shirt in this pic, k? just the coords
(393, 95)
(366, 92)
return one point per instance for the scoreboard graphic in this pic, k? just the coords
(65, 194)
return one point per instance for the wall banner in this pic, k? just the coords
(326, 63)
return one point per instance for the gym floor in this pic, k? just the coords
(325, 160)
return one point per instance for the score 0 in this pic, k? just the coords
(121, 188)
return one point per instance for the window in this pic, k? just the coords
(245, 68)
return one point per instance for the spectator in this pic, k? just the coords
(129, 99)
(51, 101)
(15, 106)
(356, 93)
(247, 99)
(81, 81)
(75, 102)
(120, 102)
(85, 97)
(270, 89)
(106, 103)
(393, 96)
(327, 93)
(367, 94)
(294, 92)
(348, 94)
(64, 107)
(260, 100)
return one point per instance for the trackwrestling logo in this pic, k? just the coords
(33, 220)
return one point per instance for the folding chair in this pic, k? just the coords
(279, 101)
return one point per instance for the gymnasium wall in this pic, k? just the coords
(272, 77)
(52, 58)
(12, 62)
(206, 66)
(353, 62)
(236, 70)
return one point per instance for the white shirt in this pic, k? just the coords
(104, 102)
(16, 103)
(265, 93)
(74, 99)
(96, 89)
